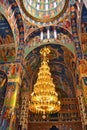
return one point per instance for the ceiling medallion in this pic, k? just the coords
(44, 98)
(44, 10)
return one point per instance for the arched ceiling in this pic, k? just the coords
(7, 45)
(6, 36)
(11, 13)
(68, 19)
(48, 34)
(62, 67)
(64, 20)
(43, 11)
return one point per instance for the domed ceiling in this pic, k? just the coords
(62, 68)
(41, 12)
(44, 10)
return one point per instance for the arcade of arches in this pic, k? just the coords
(26, 26)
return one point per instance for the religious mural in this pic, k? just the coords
(25, 85)
(12, 70)
(10, 94)
(8, 111)
(42, 11)
(84, 85)
(7, 47)
(7, 54)
(3, 85)
(6, 36)
(60, 58)
(83, 77)
(16, 24)
(4, 123)
(38, 37)
(65, 47)
(84, 31)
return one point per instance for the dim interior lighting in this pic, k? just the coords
(44, 99)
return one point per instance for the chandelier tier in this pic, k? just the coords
(44, 98)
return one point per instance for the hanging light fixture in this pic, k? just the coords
(44, 99)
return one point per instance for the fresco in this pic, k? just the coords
(3, 81)
(65, 77)
(7, 54)
(84, 31)
(7, 47)
(4, 123)
(8, 112)
(25, 85)
(43, 9)
(52, 11)
(46, 13)
(10, 94)
(60, 60)
(6, 36)
(66, 23)
(74, 12)
(83, 77)
(14, 18)
(63, 37)
(3, 85)
(84, 85)
(12, 70)
(29, 28)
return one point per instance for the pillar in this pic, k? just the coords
(83, 94)
(9, 111)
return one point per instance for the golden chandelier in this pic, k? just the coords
(44, 99)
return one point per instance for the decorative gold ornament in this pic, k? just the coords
(44, 99)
